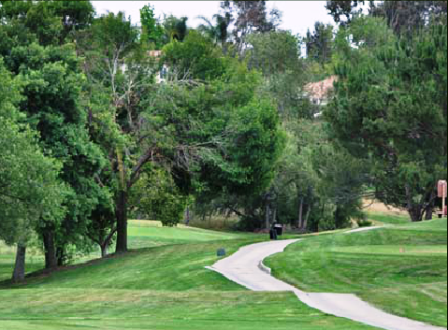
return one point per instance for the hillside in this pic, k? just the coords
(401, 269)
(164, 287)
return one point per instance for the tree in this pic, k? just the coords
(51, 21)
(175, 28)
(152, 30)
(249, 16)
(52, 84)
(390, 107)
(119, 73)
(349, 9)
(342, 183)
(30, 189)
(157, 195)
(406, 17)
(219, 137)
(277, 55)
(319, 44)
(196, 58)
(218, 31)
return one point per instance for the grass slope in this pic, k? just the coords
(401, 269)
(142, 234)
(161, 287)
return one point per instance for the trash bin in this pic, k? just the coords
(273, 234)
(279, 229)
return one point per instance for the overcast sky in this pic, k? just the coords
(298, 16)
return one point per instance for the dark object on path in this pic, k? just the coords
(278, 228)
(221, 252)
(273, 234)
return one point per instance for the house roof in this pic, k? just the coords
(320, 89)
(155, 53)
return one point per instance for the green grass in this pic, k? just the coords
(387, 218)
(34, 261)
(162, 286)
(141, 234)
(401, 269)
(160, 310)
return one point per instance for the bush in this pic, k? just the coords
(364, 223)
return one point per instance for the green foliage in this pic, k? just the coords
(406, 17)
(390, 107)
(30, 189)
(277, 55)
(319, 44)
(196, 58)
(50, 21)
(49, 72)
(114, 34)
(159, 197)
(249, 17)
(175, 29)
(338, 9)
(218, 137)
(153, 31)
(218, 31)
(275, 52)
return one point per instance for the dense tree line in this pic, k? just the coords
(88, 137)
(87, 106)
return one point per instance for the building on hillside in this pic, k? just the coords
(163, 73)
(320, 92)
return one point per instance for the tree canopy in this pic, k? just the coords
(390, 106)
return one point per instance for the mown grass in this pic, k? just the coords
(160, 310)
(383, 218)
(161, 287)
(401, 269)
(141, 234)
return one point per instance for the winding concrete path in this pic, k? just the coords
(246, 268)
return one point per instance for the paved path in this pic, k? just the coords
(246, 268)
(357, 230)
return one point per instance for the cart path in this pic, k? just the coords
(246, 268)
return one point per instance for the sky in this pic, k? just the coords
(298, 16)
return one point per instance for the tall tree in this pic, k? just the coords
(249, 16)
(217, 31)
(199, 137)
(390, 106)
(405, 17)
(152, 29)
(277, 55)
(52, 85)
(319, 44)
(29, 187)
(340, 8)
(119, 73)
(175, 28)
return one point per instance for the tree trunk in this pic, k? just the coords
(19, 269)
(300, 215)
(428, 212)
(187, 216)
(122, 222)
(415, 212)
(430, 207)
(268, 211)
(274, 215)
(60, 255)
(50, 250)
(104, 248)
(305, 223)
